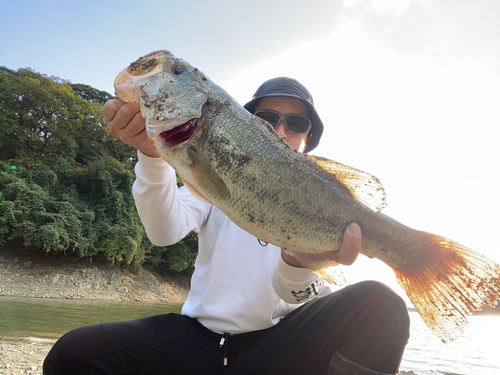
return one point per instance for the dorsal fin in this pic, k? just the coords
(364, 187)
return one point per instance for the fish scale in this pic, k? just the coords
(300, 203)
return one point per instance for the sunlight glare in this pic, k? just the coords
(383, 6)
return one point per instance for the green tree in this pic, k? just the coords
(177, 257)
(91, 94)
(71, 188)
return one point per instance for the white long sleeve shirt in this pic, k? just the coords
(238, 285)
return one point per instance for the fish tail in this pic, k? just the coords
(455, 283)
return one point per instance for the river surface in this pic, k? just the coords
(477, 351)
(51, 318)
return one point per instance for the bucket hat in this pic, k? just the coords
(284, 86)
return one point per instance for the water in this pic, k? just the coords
(51, 318)
(477, 351)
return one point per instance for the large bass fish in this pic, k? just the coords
(301, 203)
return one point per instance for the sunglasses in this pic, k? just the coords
(293, 123)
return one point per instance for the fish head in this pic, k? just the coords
(170, 92)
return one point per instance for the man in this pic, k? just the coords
(252, 309)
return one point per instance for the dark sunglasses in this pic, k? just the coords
(293, 123)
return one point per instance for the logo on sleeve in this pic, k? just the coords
(311, 291)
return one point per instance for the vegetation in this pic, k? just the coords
(65, 182)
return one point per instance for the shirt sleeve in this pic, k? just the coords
(295, 285)
(167, 213)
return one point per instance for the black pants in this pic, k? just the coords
(367, 323)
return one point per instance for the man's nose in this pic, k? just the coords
(281, 129)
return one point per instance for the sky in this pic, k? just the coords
(408, 90)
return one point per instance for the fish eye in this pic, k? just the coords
(178, 69)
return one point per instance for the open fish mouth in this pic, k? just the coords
(179, 134)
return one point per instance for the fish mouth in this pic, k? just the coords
(179, 134)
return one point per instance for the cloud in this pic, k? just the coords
(438, 30)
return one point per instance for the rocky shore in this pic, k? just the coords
(73, 278)
(20, 358)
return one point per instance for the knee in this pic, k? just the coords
(380, 295)
(70, 351)
(382, 303)
(63, 354)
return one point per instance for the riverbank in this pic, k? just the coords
(76, 278)
(73, 278)
(19, 358)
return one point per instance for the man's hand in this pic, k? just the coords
(125, 121)
(349, 249)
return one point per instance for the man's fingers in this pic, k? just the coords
(111, 108)
(129, 113)
(135, 126)
(125, 121)
(351, 245)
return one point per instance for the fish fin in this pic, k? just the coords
(332, 275)
(457, 282)
(195, 192)
(323, 264)
(363, 186)
(214, 187)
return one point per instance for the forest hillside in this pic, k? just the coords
(65, 181)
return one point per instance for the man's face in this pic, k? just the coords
(285, 106)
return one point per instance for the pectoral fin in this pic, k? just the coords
(195, 193)
(212, 187)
